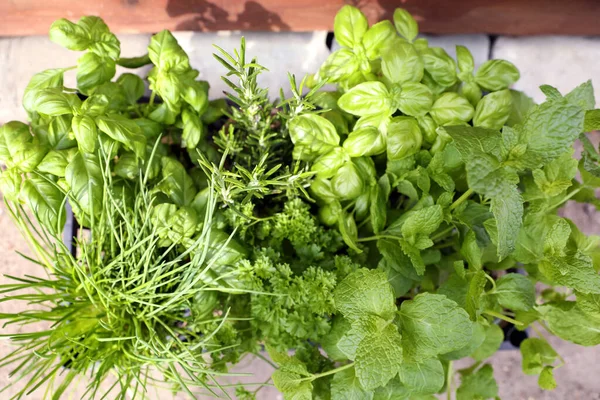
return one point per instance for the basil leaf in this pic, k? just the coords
(405, 24)
(401, 63)
(124, 131)
(349, 26)
(368, 98)
(366, 141)
(84, 178)
(69, 35)
(403, 138)
(93, 70)
(415, 99)
(50, 78)
(493, 110)
(377, 38)
(347, 183)
(451, 108)
(496, 75)
(86, 133)
(133, 87)
(313, 135)
(339, 65)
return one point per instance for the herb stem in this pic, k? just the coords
(566, 198)
(330, 372)
(265, 359)
(489, 278)
(443, 233)
(461, 199)
(449, 379)
(502, 317)
(377, 237)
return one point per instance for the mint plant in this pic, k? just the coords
(368, 236)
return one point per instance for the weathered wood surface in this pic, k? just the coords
(507, 17)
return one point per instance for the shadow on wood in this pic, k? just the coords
(202, 15)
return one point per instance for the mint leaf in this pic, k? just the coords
(536, 353)
(480, 385)
(378, 357)
(567, 321)
(508, 213)
(546, 380)
(582, 96)
(423, 377)
(575, 271)
(361, 328)
(422, 222)
(432, 324)
(365, 292)
(476, 288)
(549, 131)
(394, 390)
(515, 292)
(345, 385)
(494, 336)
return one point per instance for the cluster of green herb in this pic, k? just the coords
(381, 230)
(448, 181)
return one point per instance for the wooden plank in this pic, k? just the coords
(509, 17)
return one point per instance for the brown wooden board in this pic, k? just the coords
(508, 17)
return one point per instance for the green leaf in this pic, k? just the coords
(471, 251)
(84, 177)
(345, 385)
(176, 183)
(569, 322)
(493, 110)
(423, 377)
(400, 63)
(328, 164)
(166, 54)
(582, 96)
(347, 183)
(56, 161)
(378, 358)
(405, 24)
(496, 75)
(474, 293)
(133, 87)
(365, 141)
(432, 324)
(377, 38)
(93, 71)
(423, 222)
(313, 134)
(515, 292)
(404, 138)
(86, 133)
(69, 35)
(349, 26)
(369, 98)
(494, 336)
(10, 184)
(193, 129)
(471, 91)
(466, 64)
(348, 230)
(521, 104)
(339, 328)
(415, 99)
(508, 213)
(451, 108)
(339, 65)
(360, 329)
(50, 78)
(536, 353)
(480, 385)
(440, 67)
(394, 390)
(575, 271)
(549, 131)
(592, 121)
(378, 208)
(103, 42)
(289, 377)
(124, 131)
(54, 102)
(46, 201)
(546, 380)
(365, 292)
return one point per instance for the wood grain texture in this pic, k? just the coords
(507, 17)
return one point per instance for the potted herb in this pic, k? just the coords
(368, 237)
